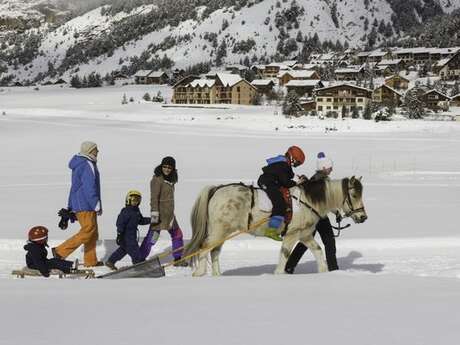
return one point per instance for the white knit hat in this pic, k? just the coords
(87, 148)
(323, 162)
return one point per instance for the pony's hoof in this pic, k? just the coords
(198, 274)
(278, 271)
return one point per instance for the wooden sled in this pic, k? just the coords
(25, 271)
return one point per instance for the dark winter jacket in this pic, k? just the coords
(36, 258)
(128, 220)
(277, 173)
(85, 192)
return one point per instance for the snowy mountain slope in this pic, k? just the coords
(103, 41)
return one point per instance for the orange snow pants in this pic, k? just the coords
(87, 236)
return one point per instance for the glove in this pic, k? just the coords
(302, 179)
(155, 218)
(65, 215)
(119, 238)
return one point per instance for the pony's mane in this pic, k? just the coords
(315, 190)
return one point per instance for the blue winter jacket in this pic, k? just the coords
(85, 192)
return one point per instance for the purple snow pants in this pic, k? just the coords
(152, 236)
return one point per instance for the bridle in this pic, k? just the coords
(352, 209)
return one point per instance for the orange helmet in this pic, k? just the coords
(295, 155)
(38, 234)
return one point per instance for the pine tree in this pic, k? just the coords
(147, 97)
(412, 104)
(367, 114)
(455, 89)
(355, 113)
(291, 104)
(124, 100)
(221, 53)
(75, 81)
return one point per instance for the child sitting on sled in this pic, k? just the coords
(128, 220)
(36, 257)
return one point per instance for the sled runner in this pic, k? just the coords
(150, 268)
(22, 273)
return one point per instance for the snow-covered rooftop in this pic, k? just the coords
(300, 83)
(143, 73)
(262, 82)
(229, 80)
(388, 62)
(202, 83)
(297, 73)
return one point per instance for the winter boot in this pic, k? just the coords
(55, 254)
(273, 226)
(111, 265)
(98, 264)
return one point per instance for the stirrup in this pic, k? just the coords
(273, 234)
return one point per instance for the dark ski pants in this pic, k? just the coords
(276, 197)
(324, 228)
(53, 263)
(128, 246)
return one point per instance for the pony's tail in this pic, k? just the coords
(199, 220)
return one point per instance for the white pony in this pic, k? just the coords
(220, 211)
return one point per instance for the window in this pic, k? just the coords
(336, 107)
(328, 108)
(320, 108)
(319, 99)
(238, 89)
(360, 100)
(329, 100)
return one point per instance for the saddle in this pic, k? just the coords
(265, 203)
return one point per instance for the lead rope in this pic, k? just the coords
(253, 227)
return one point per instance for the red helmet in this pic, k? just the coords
(295, 155)
(38, 234)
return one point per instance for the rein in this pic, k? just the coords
(307, 206)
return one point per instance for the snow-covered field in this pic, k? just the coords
(400, 277)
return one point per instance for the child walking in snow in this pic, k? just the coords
(36, 257)
(162, 207)
(128, 220)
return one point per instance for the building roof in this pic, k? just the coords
(455, 96)
(143, 73)
(344, 84)
(277, 64)
(436, 91)
(289, 63)
(202, 83)
(363, 54)
(305, 66)
(156, 74)
(348, 70)
(303, 83)
(389, 62)
(236, 66)
(389, 88)
(442, 62)
(228, 80)
(397, 75)
(262, 82)
(297, 73)
(377, 53)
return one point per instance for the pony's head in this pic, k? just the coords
(353, 205)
